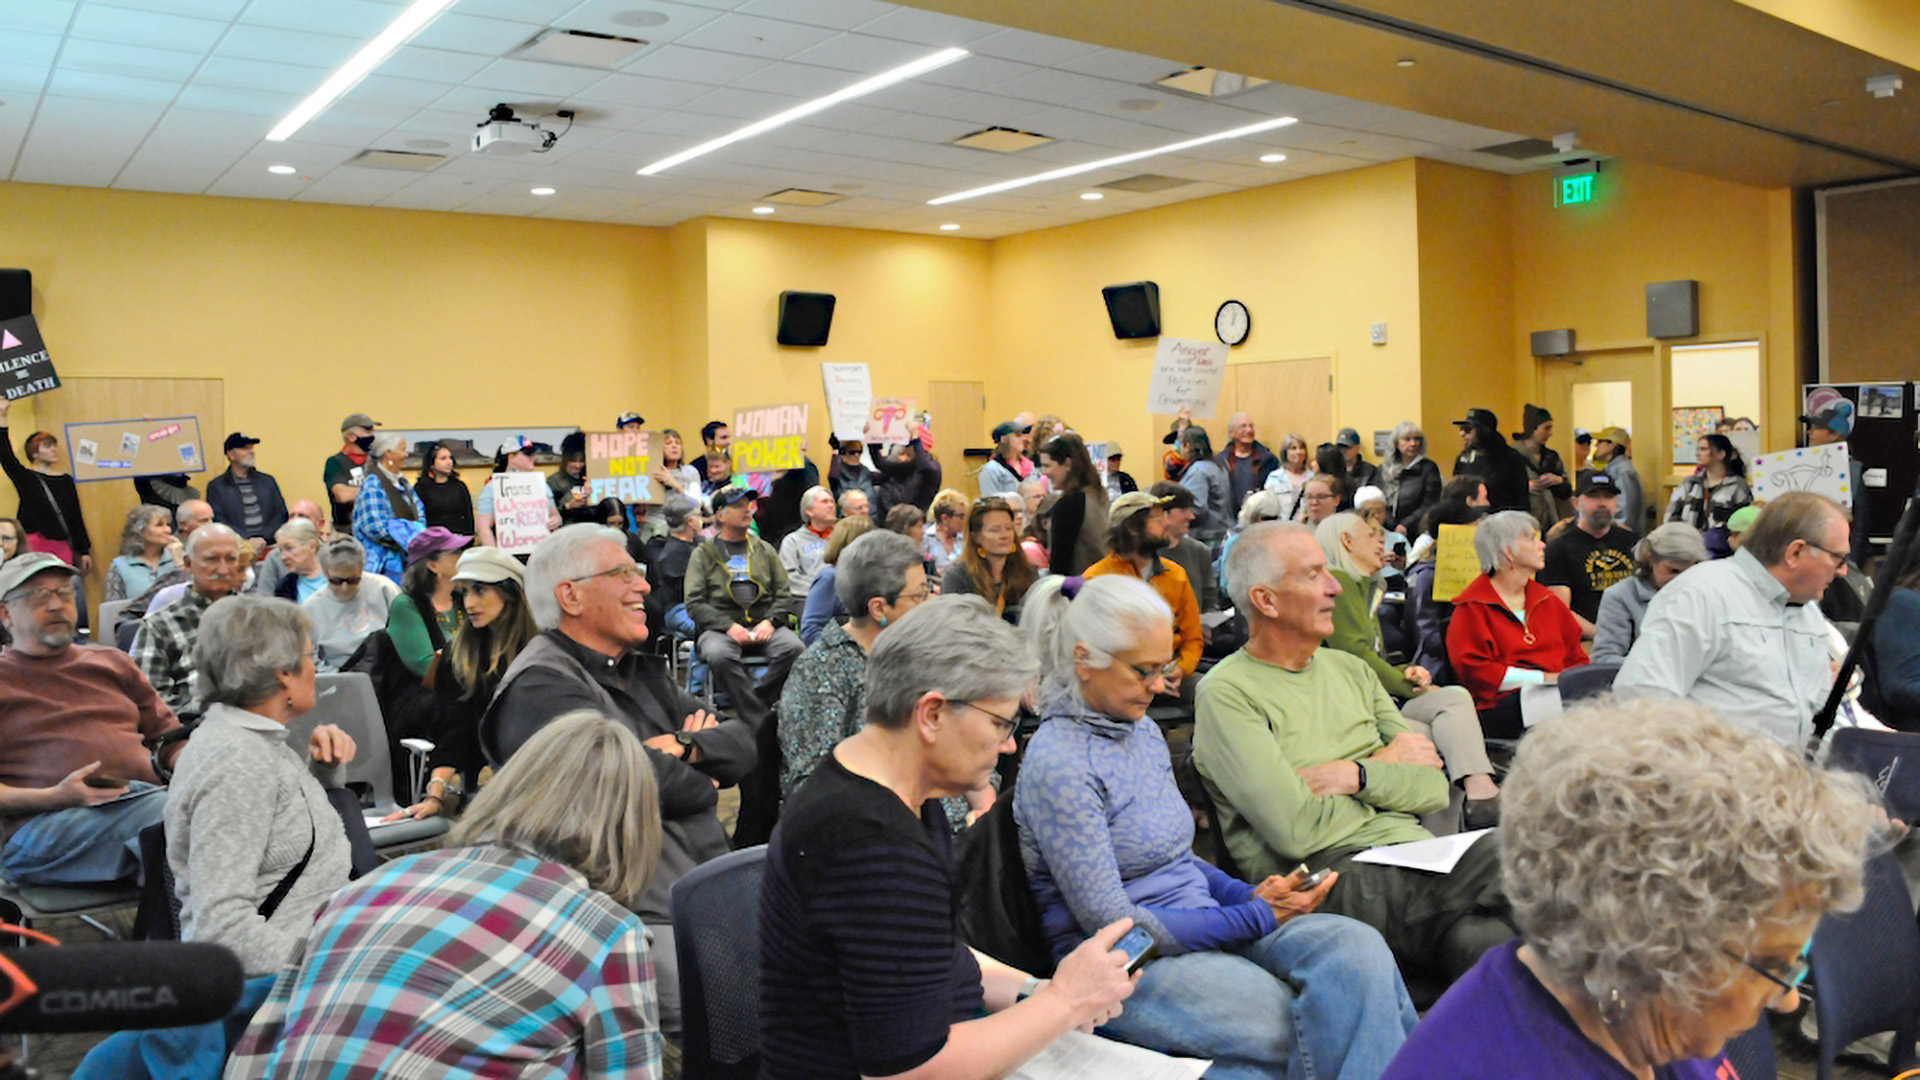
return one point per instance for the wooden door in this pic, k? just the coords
(105, 503)
(1614, 381)
(959, 411)
(1282, 396)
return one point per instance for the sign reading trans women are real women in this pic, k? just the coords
(25, 369)
(767, 438)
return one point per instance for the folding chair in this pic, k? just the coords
(716, 922)
(1866, 970)
(346, 700)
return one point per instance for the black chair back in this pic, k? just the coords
(716, 923)
(1752, 1053)
(158, 916)
(1890, 759)
(1866, 970)
(1588, 681)
(998, 914)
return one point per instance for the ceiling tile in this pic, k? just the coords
(473, 34)
(135, 61)
(24, 48)
(360, 19)
(294, 47)
(41, 16)
(1123, 66)
(804, 81)
(261, 105)
(523, 77)
(388, 90)
(97, 22)
(851, 116)
(682, 63)
(598, 16)
(1056, 87)
(750, 35)
(863, 53)
(222, 10)
(540, 11)
(640, 90)
(439, 65)
(82, 142)
(736, 104)
(98, 86)
(978, 72)
(1031, 48)
(928, 28)
(839, 14)
(985, 109)
(23, 79)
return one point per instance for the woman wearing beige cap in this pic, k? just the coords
(489, 585)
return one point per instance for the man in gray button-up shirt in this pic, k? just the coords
(1745, 635)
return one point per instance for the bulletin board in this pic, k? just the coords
(123, 449)
(1689, 423)
(1883, 417)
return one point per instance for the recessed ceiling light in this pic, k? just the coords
(949, 227)
(1403, 63)
(282, 170)
(417, 15)
(1092, 196)
(859, 89)
(1273, 158)
(1120, 159)
(543, 191)
(763, 209)
(637, 17)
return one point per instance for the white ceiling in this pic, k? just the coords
(177, 96)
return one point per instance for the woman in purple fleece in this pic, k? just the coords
(1246, 977)
(1666, 869)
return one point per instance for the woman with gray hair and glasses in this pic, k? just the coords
(1666, 870)
(1508, 630)
(1246, 977)
(354, 604)
(387, 514)
(863, 971)
(1658, 558)
(254, 845)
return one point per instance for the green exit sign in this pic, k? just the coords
(1571, 190)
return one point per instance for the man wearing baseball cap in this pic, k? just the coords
(1009, 465)
(344, 469)
(1595, 553)
(77, 783)
(1136, 535)
(741, 603)
(245, 499)
(1613, 449)
(1485, 453)
(1360, 471)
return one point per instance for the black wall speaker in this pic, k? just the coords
(805, 318)
(1673, 309)
(1553, 342)
(1134, 309)
(16, 293)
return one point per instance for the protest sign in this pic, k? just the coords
(890, 422)
(520, 504)
(25, 369)
(118, 449)
(1187, 375)
(1455, 562)
(620, 466)
(849, 398)
(1824, 470)
(766, 438)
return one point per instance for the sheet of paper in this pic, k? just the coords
(1075, 1056)
(1438, 855)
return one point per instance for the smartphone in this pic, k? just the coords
(102, 780)
(1137, 943)
(1309, 880)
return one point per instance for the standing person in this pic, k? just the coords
(1485, 454)
(909, 475)
(567, 485)
(443, 495)
(515, 455)
(49, 502)
(1548, 487)
(343, 470)
(148, 553)
(387, 515)
(1118, 482)
(1213, 511)
(244, 499)
(1658, 558)
(1077, 533)
(779, 514)
(1247, 464)
(1410, 480)
(1591, 557)
(1582, 450)
(166, 490)
(863, 845)
(739, 600)
(801, 550)
(1296, 466)
(992, 565)
(1718, 487)
(673, 471)
(1182, 549)
(848, 470)
(1360, 472)
(1614, 447)
(1508, 630)
(1002, 473)
(946, 531)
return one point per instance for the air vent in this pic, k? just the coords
(580, 48)
(794, 196)
(1210, 83)
(1146, 183)
(1002, 140)
(1521, 150)
(404, 160)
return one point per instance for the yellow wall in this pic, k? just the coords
(1316, 261)
(1466, 301)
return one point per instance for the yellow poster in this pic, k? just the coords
(1455, 563)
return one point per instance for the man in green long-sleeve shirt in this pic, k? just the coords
(1308, 760)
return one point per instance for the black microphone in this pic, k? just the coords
(123, 986)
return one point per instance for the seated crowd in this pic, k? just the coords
(1077, 671)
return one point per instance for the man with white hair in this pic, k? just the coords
(1246, 462)
(163, 647)
(802, 550)
(1308, 760)
(76, 782)
(589, 598)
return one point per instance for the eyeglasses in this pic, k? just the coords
(1147, 673)
(625, 573)
(919, 597)
(41, 597)
(1839, 557)
(1005, 724)
(1322, 497)
(1790, 980)
(354, 580)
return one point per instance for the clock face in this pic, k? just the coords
(1231, 323)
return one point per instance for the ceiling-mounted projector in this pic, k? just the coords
(507, 135)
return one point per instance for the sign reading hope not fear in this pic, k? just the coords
(619, 464)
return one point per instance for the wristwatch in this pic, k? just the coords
(685, 739)
(1363, 778)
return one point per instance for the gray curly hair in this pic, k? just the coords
(1646, 843)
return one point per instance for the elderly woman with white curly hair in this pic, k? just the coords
(387, 514)
(1666, 869)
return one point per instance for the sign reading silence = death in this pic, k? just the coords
(25, 369)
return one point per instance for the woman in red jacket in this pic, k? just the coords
(1509, 630)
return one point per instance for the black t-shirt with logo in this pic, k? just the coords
(1588, 564)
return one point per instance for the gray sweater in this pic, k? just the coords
(241, 811)
(1623, 607)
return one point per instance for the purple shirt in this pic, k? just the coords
(1498, 1022)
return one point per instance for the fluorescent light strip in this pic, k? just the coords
(1122, 159)
(411, 21)
(860, 89)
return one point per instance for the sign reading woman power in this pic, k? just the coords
(766, 438)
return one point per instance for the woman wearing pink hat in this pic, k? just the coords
(426, 589)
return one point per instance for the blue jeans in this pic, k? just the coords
(84, 845)
(1318, 999)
